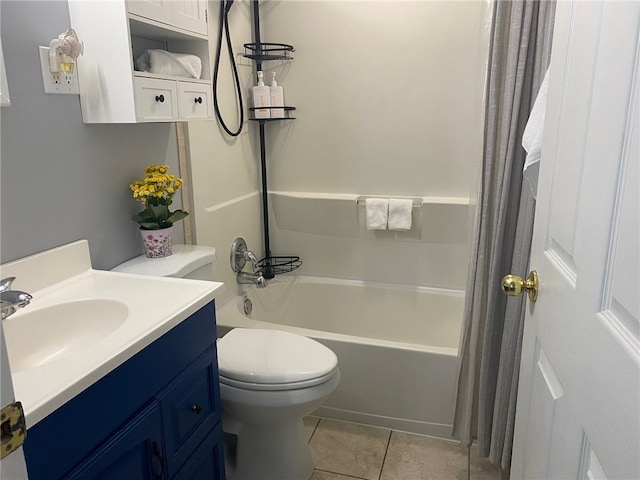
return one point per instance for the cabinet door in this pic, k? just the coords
(158, 10)
(190, 15)
(194, 100)
(134, 453)
(207, 463)
(186, 14)
(190, 408)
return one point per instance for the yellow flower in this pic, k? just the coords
(156, 184)
(156, 191)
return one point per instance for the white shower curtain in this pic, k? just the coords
(490, 350)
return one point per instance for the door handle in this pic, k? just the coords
(514, 285)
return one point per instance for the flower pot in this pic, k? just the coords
(157, 243)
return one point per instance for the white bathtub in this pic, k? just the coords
(396, 346)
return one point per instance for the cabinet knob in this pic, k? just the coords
(197, 409)
(160, 98)
(198, 100)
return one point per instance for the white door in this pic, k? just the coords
(579, 394)
(13, 466)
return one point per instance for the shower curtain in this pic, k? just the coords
(491, 343)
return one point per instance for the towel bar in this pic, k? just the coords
(360, 201)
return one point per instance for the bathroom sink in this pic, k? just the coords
(83, 323)
(42, 335)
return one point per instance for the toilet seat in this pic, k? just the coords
(261, 359)
(277, 386)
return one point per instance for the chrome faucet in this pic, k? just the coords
(11, 300)
(249, 256)
(256, 278)
(240, 255)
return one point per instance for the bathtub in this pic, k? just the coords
(396, 346)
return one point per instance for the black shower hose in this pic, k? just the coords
(224, 26)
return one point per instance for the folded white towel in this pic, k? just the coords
(400, 214)
(377, 213)
(532, 137)
(169, 63)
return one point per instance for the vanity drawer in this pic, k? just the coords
(194, 100)
(156, 99)
(190, 409)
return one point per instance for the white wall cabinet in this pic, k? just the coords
(115, 33)
(187, 14)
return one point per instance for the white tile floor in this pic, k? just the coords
(347, 451)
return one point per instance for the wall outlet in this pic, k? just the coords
(68, 78)
(57, 82)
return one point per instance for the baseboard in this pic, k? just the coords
(411, 426)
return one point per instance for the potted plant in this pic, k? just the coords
(156, 221)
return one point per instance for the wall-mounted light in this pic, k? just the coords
(64, 51)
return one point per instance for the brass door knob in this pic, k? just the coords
(514, 285)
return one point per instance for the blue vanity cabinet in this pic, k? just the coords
(155, 417)
(207, 461)
(134, 452)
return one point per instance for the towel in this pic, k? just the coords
(377, 213)
(400, 214)
(532, 137)
(168, 63)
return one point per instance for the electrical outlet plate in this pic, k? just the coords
(57, 83)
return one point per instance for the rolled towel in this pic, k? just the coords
(377, 213)
(169, 63)
(400, 214)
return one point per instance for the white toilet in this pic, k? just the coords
(269, 380)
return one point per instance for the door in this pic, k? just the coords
(13, 466)
(579, 394)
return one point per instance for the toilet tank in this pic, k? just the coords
(187, 261)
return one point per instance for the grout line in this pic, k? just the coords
(386, 450)
(314, 429)
(338, 473)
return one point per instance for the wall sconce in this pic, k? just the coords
(64, 51)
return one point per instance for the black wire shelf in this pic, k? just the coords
(268, 51)
(271, 266)
(287, 114)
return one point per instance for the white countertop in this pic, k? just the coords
(155, 305)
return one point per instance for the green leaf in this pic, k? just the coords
(177, 215)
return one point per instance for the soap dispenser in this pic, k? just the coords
(261, 98)
(277, 98)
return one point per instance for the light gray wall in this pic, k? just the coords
(62, 180)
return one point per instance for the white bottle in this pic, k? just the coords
(261, 98)
(277, 98)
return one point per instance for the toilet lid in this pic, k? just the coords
(260, 356)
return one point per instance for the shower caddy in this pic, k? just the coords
(259, 52)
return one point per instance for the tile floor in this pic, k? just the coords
(348, 451)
